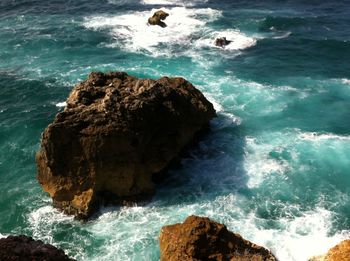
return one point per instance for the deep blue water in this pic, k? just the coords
(274, 168)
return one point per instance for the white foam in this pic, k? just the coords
(246, 96)
(217, 106)
(240, 41)
(235, 119)
(305, 236)
(296, 236)
(262, 161)
(275, 34)
(315, 136)
(173, 2)
(346, 81)
(258, 164)
(160, 2)
(228, 120)
(61, 104)
(295, 233)
(42, 221)
(132, 32)
(283, 36)
(187, 32)
(229, 117)
(133, 228)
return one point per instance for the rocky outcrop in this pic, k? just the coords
(340, 252)
(114, 134)
(222, 42)
(23, 248)
(157, 18)
(200, 238)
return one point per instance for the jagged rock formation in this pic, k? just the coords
(114, 134)
(340, 252)
(157, 18)
(200, 238)
(23, 248)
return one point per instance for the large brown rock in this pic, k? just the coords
(114, 134)
(200, 238)
(340, 252)
(23, 248)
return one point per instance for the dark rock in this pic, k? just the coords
(222, 42)
(114, 134)
(23, 248)
(200, 238)
(157, 18)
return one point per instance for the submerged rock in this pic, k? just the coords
(200, 238)
(222, 42)
(23, 248)
(114, 134)
(340, 252)
(157, 18)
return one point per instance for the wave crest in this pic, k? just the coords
(187, 32)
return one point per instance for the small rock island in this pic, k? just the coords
(115, 133)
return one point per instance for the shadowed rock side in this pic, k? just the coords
(23, 248)
(199, 238)
(115, 132)
(340, 252)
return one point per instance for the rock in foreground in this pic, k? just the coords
(340, 252)
(199, 238)
(23, 248)
(114, 134)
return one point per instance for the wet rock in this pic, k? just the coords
(340, 252)
(157, 18)
(200, 238)
(115, 133)
(222, 42)
(23, 248)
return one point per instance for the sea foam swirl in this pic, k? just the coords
(187, 32)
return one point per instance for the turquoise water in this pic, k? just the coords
(275, 167)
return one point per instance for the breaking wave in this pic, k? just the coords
(186, 33)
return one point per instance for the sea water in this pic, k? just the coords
(275, 165)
